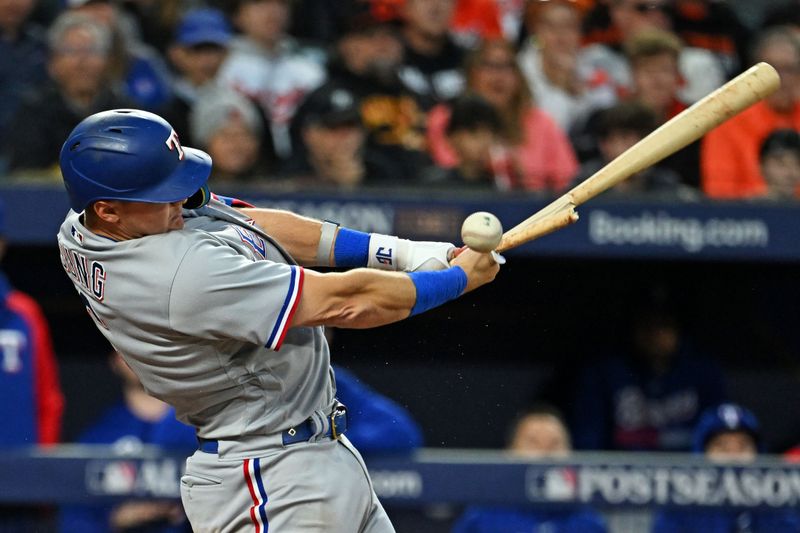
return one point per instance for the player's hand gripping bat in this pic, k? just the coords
(735, 96)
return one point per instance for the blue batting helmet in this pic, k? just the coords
(133, 155)
(723, 418)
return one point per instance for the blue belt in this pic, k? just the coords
(299, 433)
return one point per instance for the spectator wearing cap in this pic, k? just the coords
(31, 401)
(198, 49)
(365, 63)
(78, 68)
(728, 433)
(23, 54)
(538, 432)
(268, 66)
(432, 61)
(473, 130)
(779, 161)
(229, 127)
(333, 143)
(137, 68)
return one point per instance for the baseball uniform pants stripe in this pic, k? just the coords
(252, 475)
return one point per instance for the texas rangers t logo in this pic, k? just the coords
(384, 255)
(173, 143)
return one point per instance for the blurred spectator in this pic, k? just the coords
(620, 127)
(562, 86)
(779, 160)
(649, 395)
(432, 60)
(376, 424)
(365, 64)
(782, 13)
(78, 86)
(715, 26)
(653, 56)
(334, 138)
(700, 69)
(139, 69)
(727, 433)
(23, 53)
(31, 402)
(156, 19)
(136, 420)
(229, 127)
(320, 22)
(538, 433)
(267, 66)
(199, 46)
(511, 19)
(473, 131)
(475, 21)
(729, 153)
(535, 153)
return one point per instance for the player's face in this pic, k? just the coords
(736, 446)
(541, 436)
(139, 219)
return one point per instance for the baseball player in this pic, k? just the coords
(211, 307)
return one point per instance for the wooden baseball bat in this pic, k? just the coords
(730, 99)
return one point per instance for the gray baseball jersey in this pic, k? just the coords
(202, 316)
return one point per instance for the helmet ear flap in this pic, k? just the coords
(198, 199)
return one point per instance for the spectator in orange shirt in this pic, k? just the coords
(729, 153)
(534, 153)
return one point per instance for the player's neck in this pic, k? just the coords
(103, 229)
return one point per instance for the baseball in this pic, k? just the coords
(481, 231)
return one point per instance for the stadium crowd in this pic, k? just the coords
(501, 95)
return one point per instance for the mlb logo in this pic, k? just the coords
(551, 484)
(77, 235)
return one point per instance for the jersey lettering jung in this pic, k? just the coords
(91, 277)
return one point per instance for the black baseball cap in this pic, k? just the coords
(358, 17)
(331, 107)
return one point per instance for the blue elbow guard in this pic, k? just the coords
(437, 287)
(351, 248)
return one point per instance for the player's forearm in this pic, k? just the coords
(298, 235)
(359, 298)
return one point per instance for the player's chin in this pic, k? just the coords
(176, 222)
